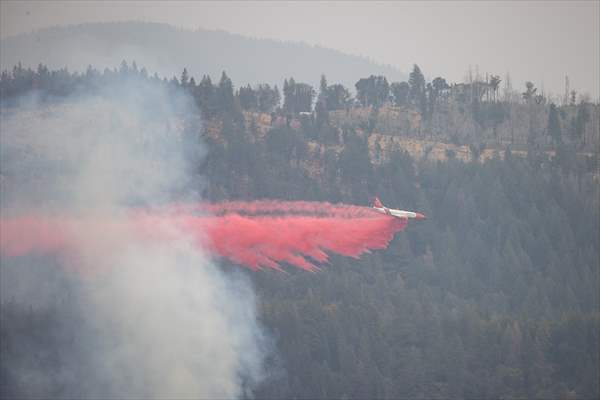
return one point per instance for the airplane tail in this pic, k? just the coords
(377, 203)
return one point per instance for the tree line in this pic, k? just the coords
(462, 113)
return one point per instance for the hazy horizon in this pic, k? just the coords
(554, 38)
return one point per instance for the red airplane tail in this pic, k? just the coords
(377, 203)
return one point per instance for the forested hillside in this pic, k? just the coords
(495, 295)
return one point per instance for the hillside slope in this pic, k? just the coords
(166, 50)
(495, 295)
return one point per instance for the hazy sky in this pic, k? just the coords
(537, 41)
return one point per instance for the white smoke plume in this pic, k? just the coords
(155, 319)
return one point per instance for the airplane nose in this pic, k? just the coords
(420, 216)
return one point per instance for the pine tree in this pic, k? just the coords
(323, 92)
(554, 124)
(184, 78)
(225, 98)
(416, 81)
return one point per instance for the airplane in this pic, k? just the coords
(378, 206)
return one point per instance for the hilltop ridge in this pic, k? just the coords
(164, 49)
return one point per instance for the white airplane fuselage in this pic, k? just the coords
(378, 206)
(399, 213)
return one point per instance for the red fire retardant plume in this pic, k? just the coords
(264, 234)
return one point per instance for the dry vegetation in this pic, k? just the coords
(402, 129)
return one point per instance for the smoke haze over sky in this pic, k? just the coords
(537, 41)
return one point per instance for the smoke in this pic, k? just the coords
(253, 234)
(147, 317)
